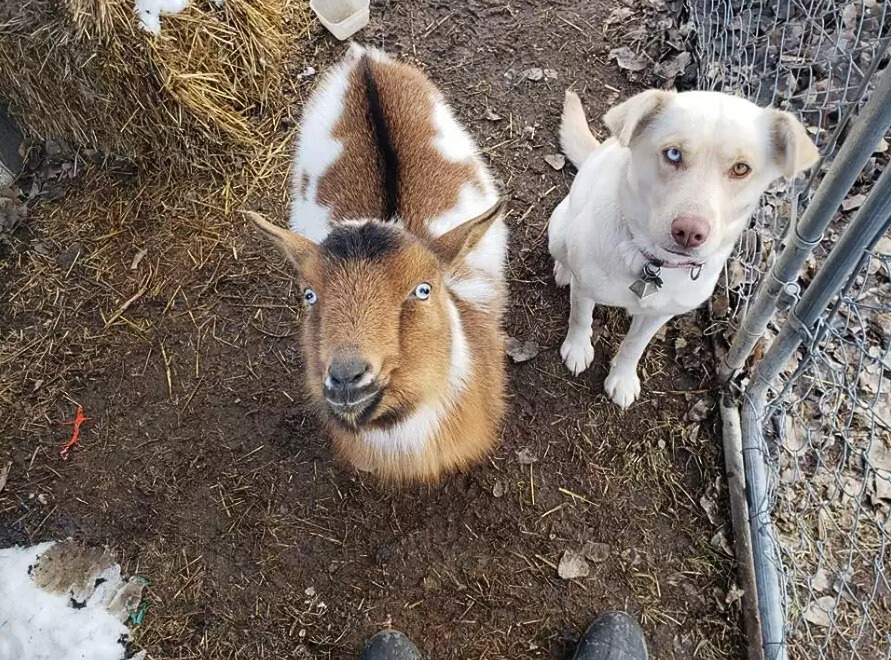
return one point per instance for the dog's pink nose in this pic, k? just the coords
(689, 231)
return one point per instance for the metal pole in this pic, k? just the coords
(767, 564)
(739, 513)
(869, 127)
(872, 219)
(869, 221)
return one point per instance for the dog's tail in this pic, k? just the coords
(576, 138)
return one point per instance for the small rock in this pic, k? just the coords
(66, 259)
(307, 72)
(631, 556)
(557, 161)
(137, 259)
(572, 566)
(526, 457)
(596, 552)
(534, 74)
(521, 351)
(491, 115)
(310, 591)
(820, 581)
(498, 489)
(383, 555)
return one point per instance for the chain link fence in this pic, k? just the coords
(813, 369)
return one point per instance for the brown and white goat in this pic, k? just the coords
(399, 246)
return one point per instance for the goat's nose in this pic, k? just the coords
(690, 231)
(347, 372)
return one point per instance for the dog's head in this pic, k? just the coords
(700, 162)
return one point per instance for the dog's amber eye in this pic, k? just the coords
(739, 170)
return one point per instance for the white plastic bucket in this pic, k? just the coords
(342, 18)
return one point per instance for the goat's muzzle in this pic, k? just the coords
(351, 389)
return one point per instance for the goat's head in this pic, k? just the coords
(377, 329)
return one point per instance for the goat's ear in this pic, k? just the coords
(793, 149)
(457, 242)
(627, 119)
(295, 247)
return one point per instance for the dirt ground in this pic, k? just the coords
(199, 466)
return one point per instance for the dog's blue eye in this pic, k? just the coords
(310, 297)
(673, 155)
(422, 291)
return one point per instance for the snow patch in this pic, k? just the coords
(62, 601)
(149, 12)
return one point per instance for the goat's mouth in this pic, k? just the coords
(354, 407)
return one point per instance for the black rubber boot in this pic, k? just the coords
(613, 636)
(390, 645)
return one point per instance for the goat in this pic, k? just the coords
(399, 245)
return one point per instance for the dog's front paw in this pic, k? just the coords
(577, 354)
(562, 275)
(622, 386)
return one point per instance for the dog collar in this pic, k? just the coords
(650, 280)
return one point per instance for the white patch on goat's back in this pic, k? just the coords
(318, 149)
(486, 260)
(412, 434)
(451, 140)
(472, 201)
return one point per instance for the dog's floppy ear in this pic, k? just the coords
(295, 247)
(793, 149)
(627, 119)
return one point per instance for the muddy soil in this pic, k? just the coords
(200, 467)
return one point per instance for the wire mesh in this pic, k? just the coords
(828, 423)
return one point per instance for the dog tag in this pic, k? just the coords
(649, 281)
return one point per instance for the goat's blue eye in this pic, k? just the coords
(310, 297)
(422, 291)
(673, 155)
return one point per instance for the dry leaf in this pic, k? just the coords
(817, 611)
(627, 59)
(674, 67)
(853, 202)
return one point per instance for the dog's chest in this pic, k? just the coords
(678, 294)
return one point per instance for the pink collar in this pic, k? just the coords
(695, 267)
(671, 264)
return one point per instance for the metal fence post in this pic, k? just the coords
(870, 221)
(868, 129)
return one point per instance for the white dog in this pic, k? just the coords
(655, 211)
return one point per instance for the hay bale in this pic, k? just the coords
(209, 87)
